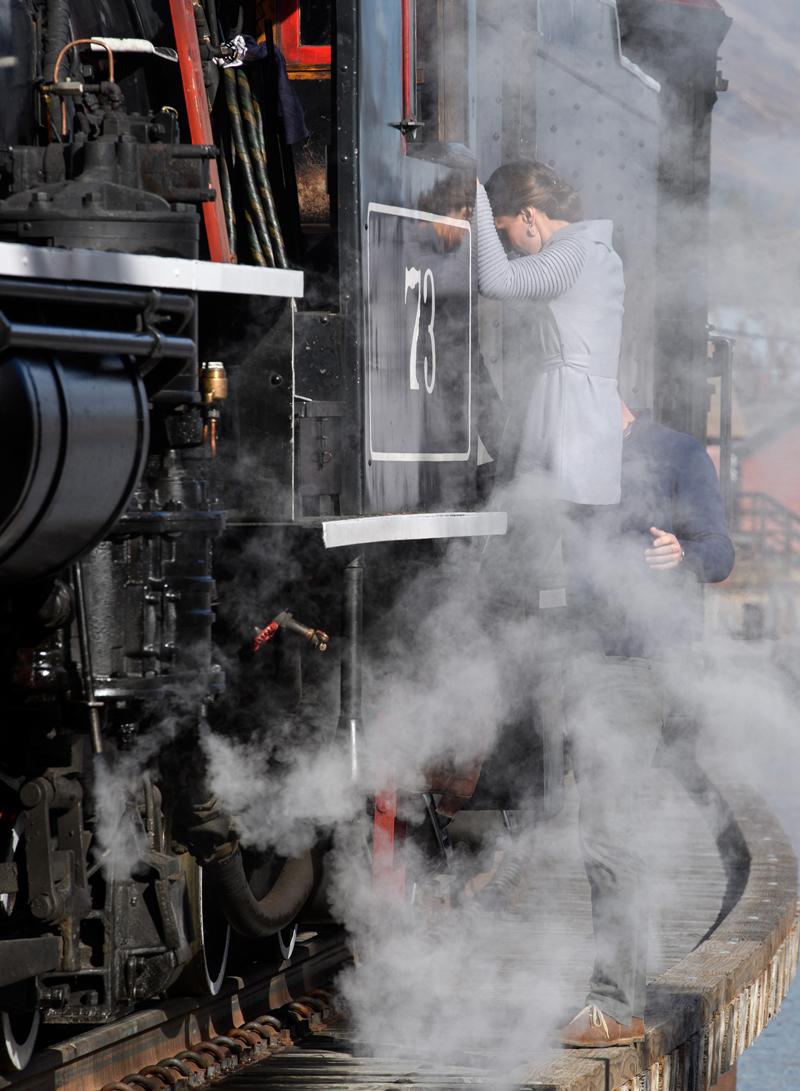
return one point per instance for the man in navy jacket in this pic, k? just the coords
(671, 538)
(641, 610)
(670, 489)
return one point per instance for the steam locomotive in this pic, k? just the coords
(242, 354)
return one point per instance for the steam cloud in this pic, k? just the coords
(433, 976)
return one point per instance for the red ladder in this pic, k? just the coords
(200, 130)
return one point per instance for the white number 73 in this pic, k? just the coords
(413, 278)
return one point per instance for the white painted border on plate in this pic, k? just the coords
(412, 527)
(420, 456)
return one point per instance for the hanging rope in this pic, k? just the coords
(244, 162)
(256, 147)
(227, 198)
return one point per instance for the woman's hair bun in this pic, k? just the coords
(528, 184)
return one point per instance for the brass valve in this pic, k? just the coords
(285, 620)
(214, 391)
(316, 637)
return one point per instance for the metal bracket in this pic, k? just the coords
(408, 126)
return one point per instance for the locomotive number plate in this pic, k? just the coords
(419, 336)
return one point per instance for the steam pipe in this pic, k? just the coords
(63, 292)
(85, 41)
(350, 720)
(57, 67)
(57, 34)
(257, 918)
(84, 639)
(67, 339)
(213, 22)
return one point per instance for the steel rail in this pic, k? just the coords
(189, 1042)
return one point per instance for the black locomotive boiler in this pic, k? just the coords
(242, 351)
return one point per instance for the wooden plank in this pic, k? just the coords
(706, 1003)
(707, 1000)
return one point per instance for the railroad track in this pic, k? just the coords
(191, 1043)
(728, 943)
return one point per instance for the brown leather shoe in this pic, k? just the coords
(592, 1029)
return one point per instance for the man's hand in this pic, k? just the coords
(665, 552)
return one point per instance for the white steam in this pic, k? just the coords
(454, 974)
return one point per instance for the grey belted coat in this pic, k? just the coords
(569, 426)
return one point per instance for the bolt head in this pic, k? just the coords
(42, 906)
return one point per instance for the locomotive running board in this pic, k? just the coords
(415, 527)
(147, 271)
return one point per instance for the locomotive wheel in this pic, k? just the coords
(18, 1033)
(262, 870)
(205, 972)
(263, 895)
(18, 1029)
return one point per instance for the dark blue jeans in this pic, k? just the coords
(614, 713)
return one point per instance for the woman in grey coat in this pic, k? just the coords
(565, 444)
(569, 427)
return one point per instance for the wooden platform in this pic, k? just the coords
(725, 947)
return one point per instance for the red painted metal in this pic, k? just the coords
(767, 467)
(200, 130)
(292, 48)
(388, 874)
(406, 40)
(264, 635)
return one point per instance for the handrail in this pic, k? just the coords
(771, 529)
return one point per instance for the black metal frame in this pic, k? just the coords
(348, 223)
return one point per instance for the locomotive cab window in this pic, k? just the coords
(303, 31)
(315, 23)
(439, 90)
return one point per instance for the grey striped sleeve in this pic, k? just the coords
(535, 276)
